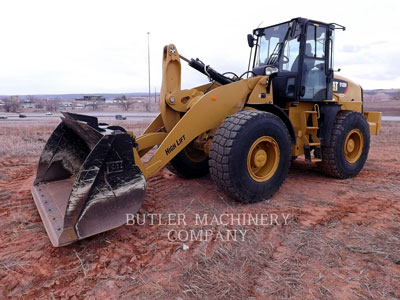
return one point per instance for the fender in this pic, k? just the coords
(276, 110)
(328, 112)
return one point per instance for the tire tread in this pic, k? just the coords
(221, 150)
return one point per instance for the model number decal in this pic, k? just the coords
(339, 86)
(171, 148)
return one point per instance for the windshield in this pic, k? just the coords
(270, 43)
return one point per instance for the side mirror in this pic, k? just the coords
(250, 40)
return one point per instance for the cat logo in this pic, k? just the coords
(335, 85)
(115, 166)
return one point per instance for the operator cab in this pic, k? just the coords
(298, 57)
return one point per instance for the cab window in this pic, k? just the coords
(314, 73)
(289, 59)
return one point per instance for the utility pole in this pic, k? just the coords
(148, 59)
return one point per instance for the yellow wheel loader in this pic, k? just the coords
(245, 130)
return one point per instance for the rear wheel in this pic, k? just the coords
(250, 155)
(189, 163)
(349, 146)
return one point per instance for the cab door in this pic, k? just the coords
(316, 73)
(286, 82)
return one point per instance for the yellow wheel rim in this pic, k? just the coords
(263, 158)
(353, 145)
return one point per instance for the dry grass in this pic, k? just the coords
(389, 132)
(27, 138)
(230, 272)
(137, 127)
(303, 263)
(336, 263)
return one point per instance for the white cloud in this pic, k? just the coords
(101, 46)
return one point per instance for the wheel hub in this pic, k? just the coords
(263, 158)
(350, 145)
(353, 145)
(260, 158)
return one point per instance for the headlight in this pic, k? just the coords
(270, 70)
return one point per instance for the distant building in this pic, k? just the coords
(92, 98)
(28, 104)
(79, 106)
(66, 104)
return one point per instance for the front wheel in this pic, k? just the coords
(250, 155)
(349, 146)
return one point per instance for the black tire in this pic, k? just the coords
(334, 162)
(230, 149)
(186, 166)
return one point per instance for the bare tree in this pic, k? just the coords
(52, 105)
(31, 98)
(95, 105)
(39, 104)
(10, 105)
(125, 103)
(148, 105)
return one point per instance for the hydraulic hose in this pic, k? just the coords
(207, 70)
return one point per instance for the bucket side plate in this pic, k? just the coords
(51, 200)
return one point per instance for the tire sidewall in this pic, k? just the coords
(353, 121)
(263, 125)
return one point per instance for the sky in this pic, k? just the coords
(85, 46)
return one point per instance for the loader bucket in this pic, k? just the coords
(87, 179)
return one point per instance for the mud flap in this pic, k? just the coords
(87, 180)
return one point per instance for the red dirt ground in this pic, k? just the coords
(342, 240)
